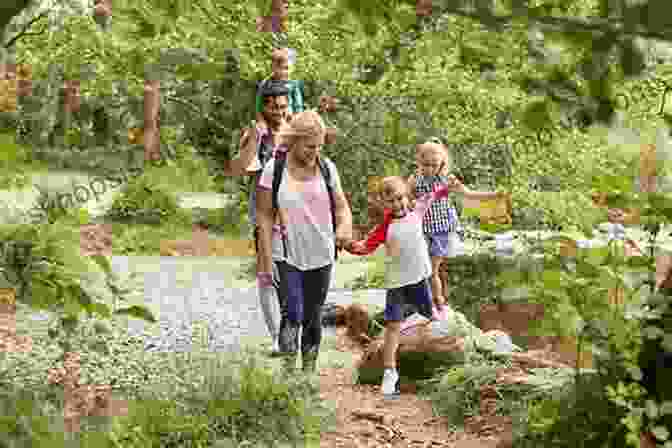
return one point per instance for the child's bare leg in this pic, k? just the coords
(391, 344)
(437, 285)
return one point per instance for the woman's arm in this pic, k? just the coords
(343, 218)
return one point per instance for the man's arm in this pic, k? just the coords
(248, 145)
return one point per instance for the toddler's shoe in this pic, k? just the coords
(389, 386)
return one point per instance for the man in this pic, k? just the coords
(256, 147)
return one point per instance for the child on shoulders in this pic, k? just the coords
(281, 61)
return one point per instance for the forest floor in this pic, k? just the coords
(365, 419)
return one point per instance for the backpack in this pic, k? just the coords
(280, 162)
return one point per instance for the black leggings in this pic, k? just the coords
(303, 294)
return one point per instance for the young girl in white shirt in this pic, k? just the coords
(408, 267)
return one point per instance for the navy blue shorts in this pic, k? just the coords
(418, 295)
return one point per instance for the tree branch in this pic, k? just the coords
(24, 32)
(197, 110)
(563, 24)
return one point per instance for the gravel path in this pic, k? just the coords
(200, 298)
(183, 291)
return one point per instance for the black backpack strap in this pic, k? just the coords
(326, 174)
(278, 167)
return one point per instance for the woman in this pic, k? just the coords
(304, 218)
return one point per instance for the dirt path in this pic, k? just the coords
(365, 419)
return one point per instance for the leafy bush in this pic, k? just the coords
(176, 399)
(238, 399)
(28, 419)
(230, 220)
(141, 201)
(575, 416)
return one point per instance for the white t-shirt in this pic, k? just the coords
(407, 260)
(304, 210)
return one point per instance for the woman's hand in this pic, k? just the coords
(343, 238)
(264, 280)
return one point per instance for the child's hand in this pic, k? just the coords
(455, 185)
(354, 246)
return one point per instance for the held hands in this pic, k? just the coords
(264, 280)
(351, 245)
(343, 239)
(453, 185)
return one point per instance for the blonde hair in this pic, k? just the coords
(393, 184)
(435, 146)
(304, 124)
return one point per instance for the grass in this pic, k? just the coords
(176, 399)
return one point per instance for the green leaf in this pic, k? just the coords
(635, 373)
(537, 116)
(69, 323)
(82, 216)
(667, 342)
(660, 432)
(137, 311)
(651, 332)
(553, 279)
(595, 256)
(103, 262)
(651, 409)
(640, 262)
(510, 278)
(665, 408)
(100, 309)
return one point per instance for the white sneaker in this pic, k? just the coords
(276, 346)
(390, 380)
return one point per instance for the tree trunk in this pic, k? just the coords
(151, 116)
